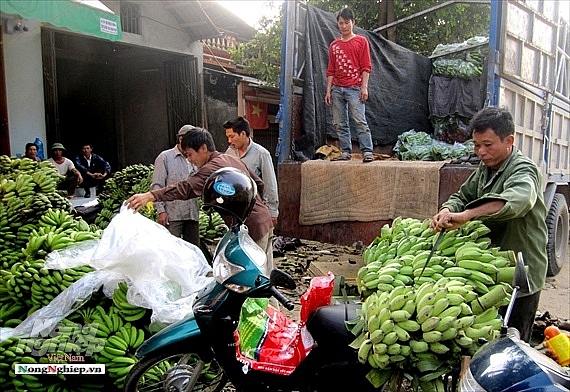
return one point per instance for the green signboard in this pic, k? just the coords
(89, 17)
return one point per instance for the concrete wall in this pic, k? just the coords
(159, 30)
(221, 97)
(24, 87)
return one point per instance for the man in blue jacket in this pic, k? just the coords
(93, 169)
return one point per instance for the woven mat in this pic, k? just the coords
(379, 190)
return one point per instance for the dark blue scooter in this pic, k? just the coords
(199, 353)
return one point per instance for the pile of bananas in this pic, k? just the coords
(27, 191)
(58, 229)
(25, 279)
(398, 257)
(119, 339)
(96, 333)
(454, 63)
(118, 353)
(64, 345)
(420, 316)
(125, 183)
(35, 220)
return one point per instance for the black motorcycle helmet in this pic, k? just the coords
(230, 191)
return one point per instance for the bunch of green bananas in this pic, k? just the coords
(27, 190)
(23, 177)
(126, 310)
(399, 256)
(99, 334)
(63, 345)
(32, 224)
(424, 330)
(26, 279)
(422, 313)
(118, 353)
(107, 322)
(12, 310)
(125, 183)
(53, 282)
(211, 225)
(13, 350)
(31, 285)
(57, 229)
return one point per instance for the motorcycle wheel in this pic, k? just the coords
(168, 371)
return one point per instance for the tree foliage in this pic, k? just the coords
(261, 56)
(452, 24)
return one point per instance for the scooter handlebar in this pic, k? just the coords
(282, 299)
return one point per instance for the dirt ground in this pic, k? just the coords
(555, 298)
(314, 258)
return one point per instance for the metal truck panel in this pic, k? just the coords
(530, 78)
(550, 152)
(558, 143)
(530, 46)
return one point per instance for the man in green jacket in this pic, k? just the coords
(505, 192)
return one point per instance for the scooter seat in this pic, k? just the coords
(327, 325)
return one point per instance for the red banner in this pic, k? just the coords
(257, 115)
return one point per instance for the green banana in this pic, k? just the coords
(418, 346)
(364, 350)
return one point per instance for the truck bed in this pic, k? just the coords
(345, 232)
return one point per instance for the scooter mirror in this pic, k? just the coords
(279, 278)
(520, 280)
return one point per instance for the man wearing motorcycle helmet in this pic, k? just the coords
(505, 192)
(230, 191)
(199, 147)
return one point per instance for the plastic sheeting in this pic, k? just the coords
(398, 86)
(454, 96)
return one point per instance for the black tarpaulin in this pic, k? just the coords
(454, 96)
(398, 86)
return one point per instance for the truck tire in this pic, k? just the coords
(557, 225)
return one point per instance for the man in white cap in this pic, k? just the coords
(66, 168)
(180, 217)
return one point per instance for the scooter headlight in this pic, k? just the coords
(468, 383)
(223, 269)
(238, 261)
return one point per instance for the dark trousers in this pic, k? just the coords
(189, 230)
(89, 182)
(523, 314)
(68, 184)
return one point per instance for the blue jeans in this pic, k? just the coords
(346, 105)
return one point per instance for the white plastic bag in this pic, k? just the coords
(161, 267)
